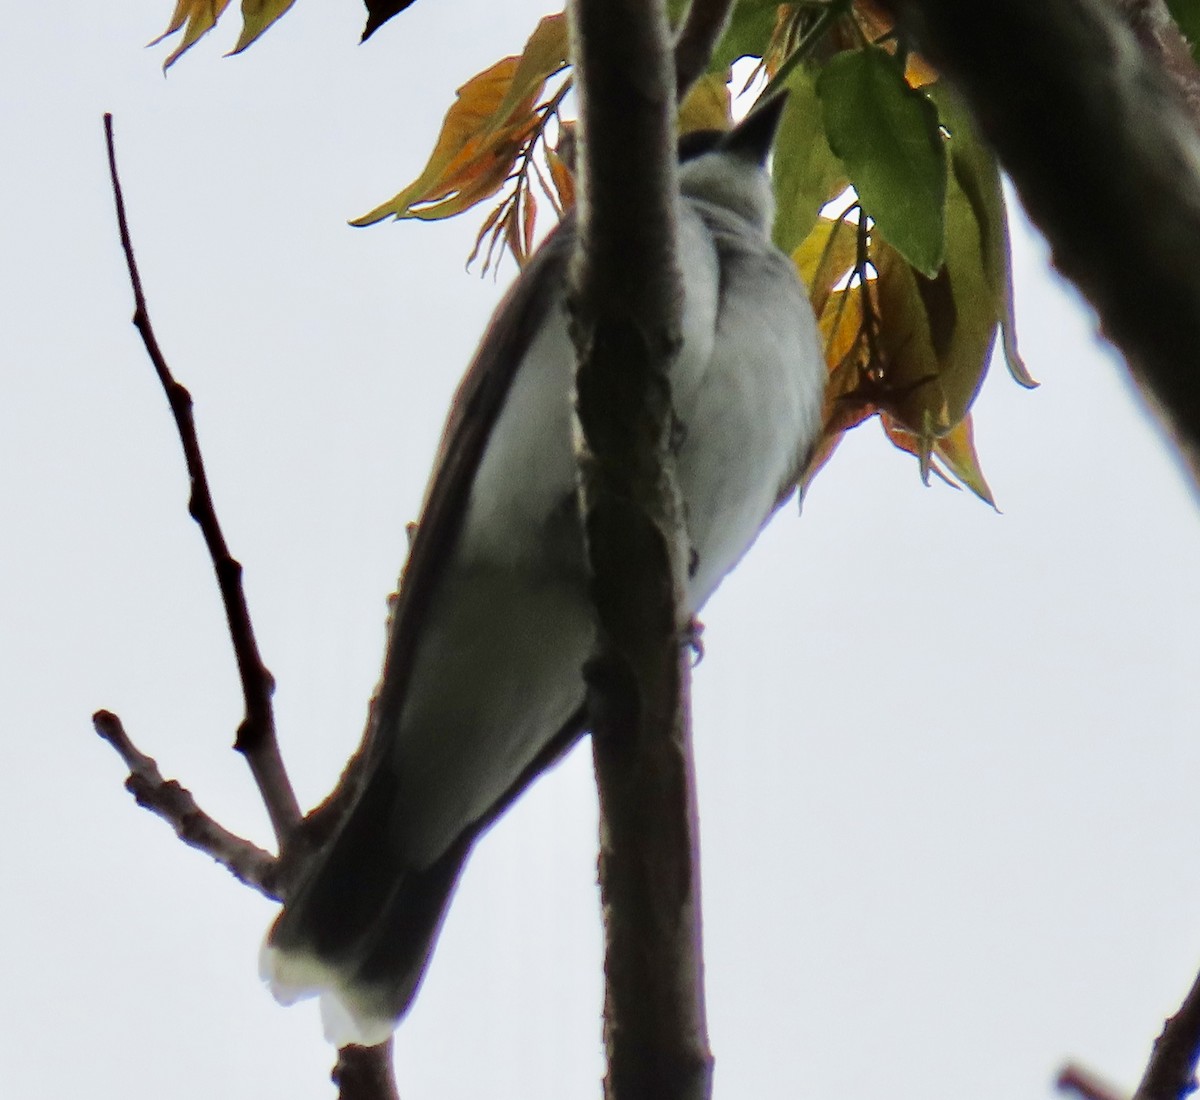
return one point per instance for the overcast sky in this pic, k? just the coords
(948, 757)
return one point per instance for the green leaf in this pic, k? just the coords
(805, 172)
(887, 136)
(748, 33)
(974, 169)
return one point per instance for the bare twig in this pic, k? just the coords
(705, 22)
(625, 302)
(1171, 1073)
(1075, 1080)
(365, 1073)
(175, 805)
(256, 739)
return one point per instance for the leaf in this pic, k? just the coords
(486, 129)
(257, 16)
(379, 12)
(805, 172)
(547, 51)
(748, 33)
(825, 259)
(887, 136)
(974, 168)
(707, 106)
(957, 450)
(200, 16)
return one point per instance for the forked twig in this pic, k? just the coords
(174, 803)
(256, 739)
(362, 1073)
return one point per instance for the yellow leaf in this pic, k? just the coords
(546, 52)
(825, 258)
(458, 144)
(707, 105)
(911, 385)
(957, 450)
(257, 16)
(200, 16)
(483, 133)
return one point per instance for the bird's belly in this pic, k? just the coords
(497, 674)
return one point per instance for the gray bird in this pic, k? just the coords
(495, 693)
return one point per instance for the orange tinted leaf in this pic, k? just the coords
(911, 390)
(561, 177)
(546, 52)
(257, 16)
(459, 145)
(957, 450)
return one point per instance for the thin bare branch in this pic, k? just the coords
(703, 26)
(175, 805)
(1171, 1073)
(256, 739)
(1075, 1080)
(365, 1073)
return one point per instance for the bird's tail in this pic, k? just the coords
(358, 929)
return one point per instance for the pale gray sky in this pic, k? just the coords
(948, 758)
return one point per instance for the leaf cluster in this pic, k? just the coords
(888, 201)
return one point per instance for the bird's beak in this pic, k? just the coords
(752, 137)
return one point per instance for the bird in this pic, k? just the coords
(495, 692)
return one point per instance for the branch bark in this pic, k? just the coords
(626, 301)
(175, 804)
(1107, 163)
(703, 26)
(256, 739)
(1171, 1073)
(361, 1073)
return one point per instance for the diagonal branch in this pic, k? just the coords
(175, 805)
(256, 739)
(1171, 1073)
(706, 21)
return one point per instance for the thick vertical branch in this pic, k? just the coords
(626, 304)
(1107, 163)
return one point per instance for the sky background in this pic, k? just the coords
(947, 757)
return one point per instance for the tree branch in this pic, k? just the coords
(1077, 1081)
(1151, 22)
(365, 1073)
(256, 739)
(361, 1073)
(174, 803)
(625, 303)
(1107, 163)
(704, 24)
(1171, 1073)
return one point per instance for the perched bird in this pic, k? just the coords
(495, 693)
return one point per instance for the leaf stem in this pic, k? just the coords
(804, 48)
